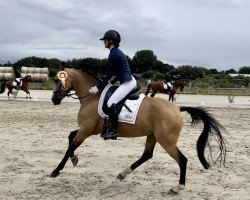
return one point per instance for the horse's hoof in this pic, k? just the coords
(173, 191)
(74, 160)
(54, 174)
(120, 177)
(176, 189)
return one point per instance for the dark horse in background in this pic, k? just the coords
(158, 87)
(24, 86)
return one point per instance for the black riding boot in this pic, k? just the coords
(113, 118)
(18, 84)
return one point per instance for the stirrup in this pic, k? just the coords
(111, 135)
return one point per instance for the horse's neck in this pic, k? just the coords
(82, 84)
(24, 81)
(177, 84)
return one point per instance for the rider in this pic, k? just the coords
(119, 68)
(18, 78)
(168, 80)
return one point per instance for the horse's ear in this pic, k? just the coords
(62, 66)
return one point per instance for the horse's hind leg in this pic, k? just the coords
(9, 92)
(147, 154)
(73, 158)
(176, 154)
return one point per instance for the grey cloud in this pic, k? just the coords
(207, 33)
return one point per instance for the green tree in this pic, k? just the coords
(31, 62)
(148, 74)
(187, 71)
(144, 60)
(231, 71)
(162, 67)
(244, 70)
(212, 71)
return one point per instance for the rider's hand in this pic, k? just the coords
(93, 90)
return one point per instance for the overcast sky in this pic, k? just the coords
(207, 33)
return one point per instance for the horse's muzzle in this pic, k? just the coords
(56, 98)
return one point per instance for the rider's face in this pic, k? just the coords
(106, 43)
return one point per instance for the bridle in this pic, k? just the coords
(62, 87)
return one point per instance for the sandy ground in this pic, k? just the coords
(34, 139)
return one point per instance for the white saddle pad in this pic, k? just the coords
(14, 83)
(125, 115)
(165, 86)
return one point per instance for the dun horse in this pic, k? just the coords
(158, 119)
(23, 87)
(158, 87)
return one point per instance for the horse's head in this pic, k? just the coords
(179, 84)
(28, 78)
(182, 87)
(62, 87)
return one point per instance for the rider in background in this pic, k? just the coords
(18, 78)
(168, 80)
(120, 70)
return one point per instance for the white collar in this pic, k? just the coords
(111, 47)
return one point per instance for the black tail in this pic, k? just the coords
(2, 89)
(211, 127)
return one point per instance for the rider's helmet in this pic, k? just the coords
(112, 34)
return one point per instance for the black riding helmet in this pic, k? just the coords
(112, 34)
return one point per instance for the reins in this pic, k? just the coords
(71, 95)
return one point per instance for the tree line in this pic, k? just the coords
(144, 62)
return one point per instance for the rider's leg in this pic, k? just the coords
(113, 118)
(169, 86)
(117, 96)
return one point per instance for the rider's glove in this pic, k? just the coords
(93, 90)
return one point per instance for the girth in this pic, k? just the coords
(133, 95)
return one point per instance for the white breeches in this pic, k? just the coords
(169, 85)
(18, 79)
(121, 92)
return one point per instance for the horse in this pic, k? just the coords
(158, 119)
(24, 86)
(158, 87)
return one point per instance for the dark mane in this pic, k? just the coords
(91, 74)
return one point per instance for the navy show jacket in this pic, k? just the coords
(118, 67)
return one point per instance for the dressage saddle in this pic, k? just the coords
(133, 95)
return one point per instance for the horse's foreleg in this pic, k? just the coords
(28, 95)
(147, 154)
(70, 151)
(171, 97)
(9, 92)
(78, 139)
(73, 158)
